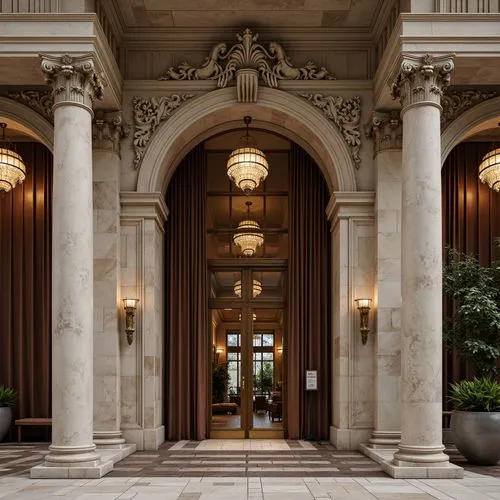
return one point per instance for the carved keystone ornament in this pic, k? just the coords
(245, 61)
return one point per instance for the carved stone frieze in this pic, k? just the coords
(455, 103)
(421, 80)
(386, 130)
(108, 129)
(148, 114)
(345, 114)
(41, 102)
(74, 80)
(245, 62)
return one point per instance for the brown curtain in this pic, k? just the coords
(186, 306)
(308, 340)
(471, 222)
(25, 284)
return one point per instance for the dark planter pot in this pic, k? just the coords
(477, 436)
(5, 420)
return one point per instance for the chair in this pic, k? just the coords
(276, 410)
(259, 404)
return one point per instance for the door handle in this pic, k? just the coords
(243, 382)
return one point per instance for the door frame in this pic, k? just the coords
(246, 305)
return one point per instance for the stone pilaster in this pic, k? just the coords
(419, 86)
(75, 84)
(108, 128)
(387, 134)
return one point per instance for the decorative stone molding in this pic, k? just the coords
(455, 103)
(421, 80)
(74, 80)
(148, 114)
(41, 102)
(345, 114)
(245, 61)
(386, 130)
(108, 129)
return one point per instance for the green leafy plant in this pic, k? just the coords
(8, 396)
(482, 395)
(220, 382)
(475, 325)
(263, 379)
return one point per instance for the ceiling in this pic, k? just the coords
(230, 13)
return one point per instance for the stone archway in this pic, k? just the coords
(219, 110)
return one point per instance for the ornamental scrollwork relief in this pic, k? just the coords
(455, 103)
(246, 61)
(345, 114)
(41, 102)
(148, 114)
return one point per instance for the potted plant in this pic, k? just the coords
(8, 398)
(475, 423)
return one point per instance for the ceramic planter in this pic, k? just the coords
(477, 436)
(5, 420)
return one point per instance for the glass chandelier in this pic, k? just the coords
(248, 235)
(247, 165)
(256, 288)
(12, 168)
(489, 169)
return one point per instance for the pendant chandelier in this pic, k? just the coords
(248, 235)
(247, 166)
(489, 169)
(256, 288)
(12, 168)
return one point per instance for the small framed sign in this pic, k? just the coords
(311, 380)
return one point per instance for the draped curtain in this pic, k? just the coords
(471, 222)
(186, 306)
(309, 332)
(25, 284)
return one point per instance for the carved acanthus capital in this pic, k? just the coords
(455, 103)
(41, 102)
(74, 80)
(108, 129)
(421, 80)
(148, 114)
(386, 130)
(345, 114)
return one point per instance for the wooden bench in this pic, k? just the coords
(20, 422)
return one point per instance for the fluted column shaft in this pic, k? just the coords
(75, 85)
(419, 87)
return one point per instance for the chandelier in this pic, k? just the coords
(256, 288)
(248, 235)
(12, 168)
(489, 169)
(247, 166)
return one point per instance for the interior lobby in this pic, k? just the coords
(225, 222)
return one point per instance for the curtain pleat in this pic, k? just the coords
(471, 223)
(309, 333)
(25, 284)
(186, 300)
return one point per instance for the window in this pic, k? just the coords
(233, 346)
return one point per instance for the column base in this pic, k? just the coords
(385, 457)
(348, 439)
(425, 456)
(109, 439)
(384, 439)
(56, 471)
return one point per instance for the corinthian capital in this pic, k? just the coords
(74, 80)
(387, 131)
(421, 80)
(108, 129)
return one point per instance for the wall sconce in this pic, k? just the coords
(280, 350)
(363, 306)
(130, 306)
(218, 352)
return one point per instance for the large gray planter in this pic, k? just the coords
(477, 436)
(5, 420)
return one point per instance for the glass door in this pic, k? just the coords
(247, 345)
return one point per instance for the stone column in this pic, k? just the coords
(386, 132)
(75, 85)
(419, 87)
(107, 131)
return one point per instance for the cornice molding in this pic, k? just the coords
(136, 205)
(345, 205)
(247, 62)
(345, 114)
(148, 114)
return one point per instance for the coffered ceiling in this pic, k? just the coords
(255, 13)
